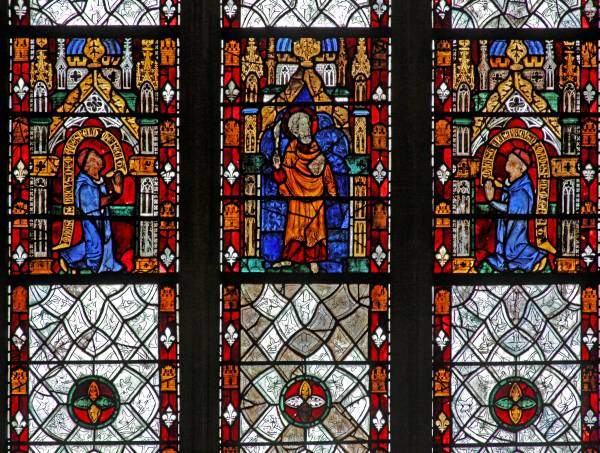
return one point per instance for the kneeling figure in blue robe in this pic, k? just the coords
(95, 250)
(514, 252)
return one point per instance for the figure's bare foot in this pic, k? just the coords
(540, 265)
(282, 264)
(63, 265)
(314, 268)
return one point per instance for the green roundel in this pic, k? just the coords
(93, 402)
(515, 403)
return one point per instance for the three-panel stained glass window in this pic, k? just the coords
(93, 155)
(304, 226)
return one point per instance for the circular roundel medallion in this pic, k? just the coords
(93, 402)
(305, 401)
(515, 403)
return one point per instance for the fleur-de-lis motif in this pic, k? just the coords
(379, 173)
(442, 422)
(590, 10)
(20, 255)
(230, 414)
(588, 172)
(378, 337)
(590, 339)
(231, 91)
(18, 423)
(21, 88)
(169, 9)
(168, 93)
(379, 8)
(20, 171)
(442, 256)
(20, 9)
(167, 338)
(167, 257)
(442, 9)
(379, 95)
(588, 255)
(443, 174)
(231, 335)
(167, 173)
(379, 255)
(230, 9)
(441, 340)
(443, 92)
(169, 417)
(378, 420)
(231, 255)
(19, 338)
(590, 419)
(231, 173)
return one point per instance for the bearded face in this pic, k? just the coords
(299, 125)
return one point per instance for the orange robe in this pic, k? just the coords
(305, 229)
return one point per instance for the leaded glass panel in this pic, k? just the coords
(515, 365)
(93, 368)
(515, 156)
(94, 138)
(304, 366)
(305, 166)
(477, 14)
(94, 12)
(305, 13)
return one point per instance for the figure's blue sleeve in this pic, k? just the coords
(89, 199)
(520, 202)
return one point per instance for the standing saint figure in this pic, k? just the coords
(303, 177)
(95, 250)
(513, 249)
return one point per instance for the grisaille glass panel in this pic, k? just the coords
(305, 13)
(515, 365)
(93, 367)
(539, 14)
(304, 366)
(94, 12)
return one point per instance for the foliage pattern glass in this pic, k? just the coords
(94, 12)
(304, 366)
(93, 368)
(477, 14)
(305, 13)
(515, 365)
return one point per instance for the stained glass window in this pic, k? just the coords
(305, 178)
(305, 192)
(515, 365)
(92, 197)
(96, 12)
(515, 156)
(305, 366)
(515, 13)
(77, 99)
(515, 197)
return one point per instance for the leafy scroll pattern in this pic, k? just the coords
(107, 331)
